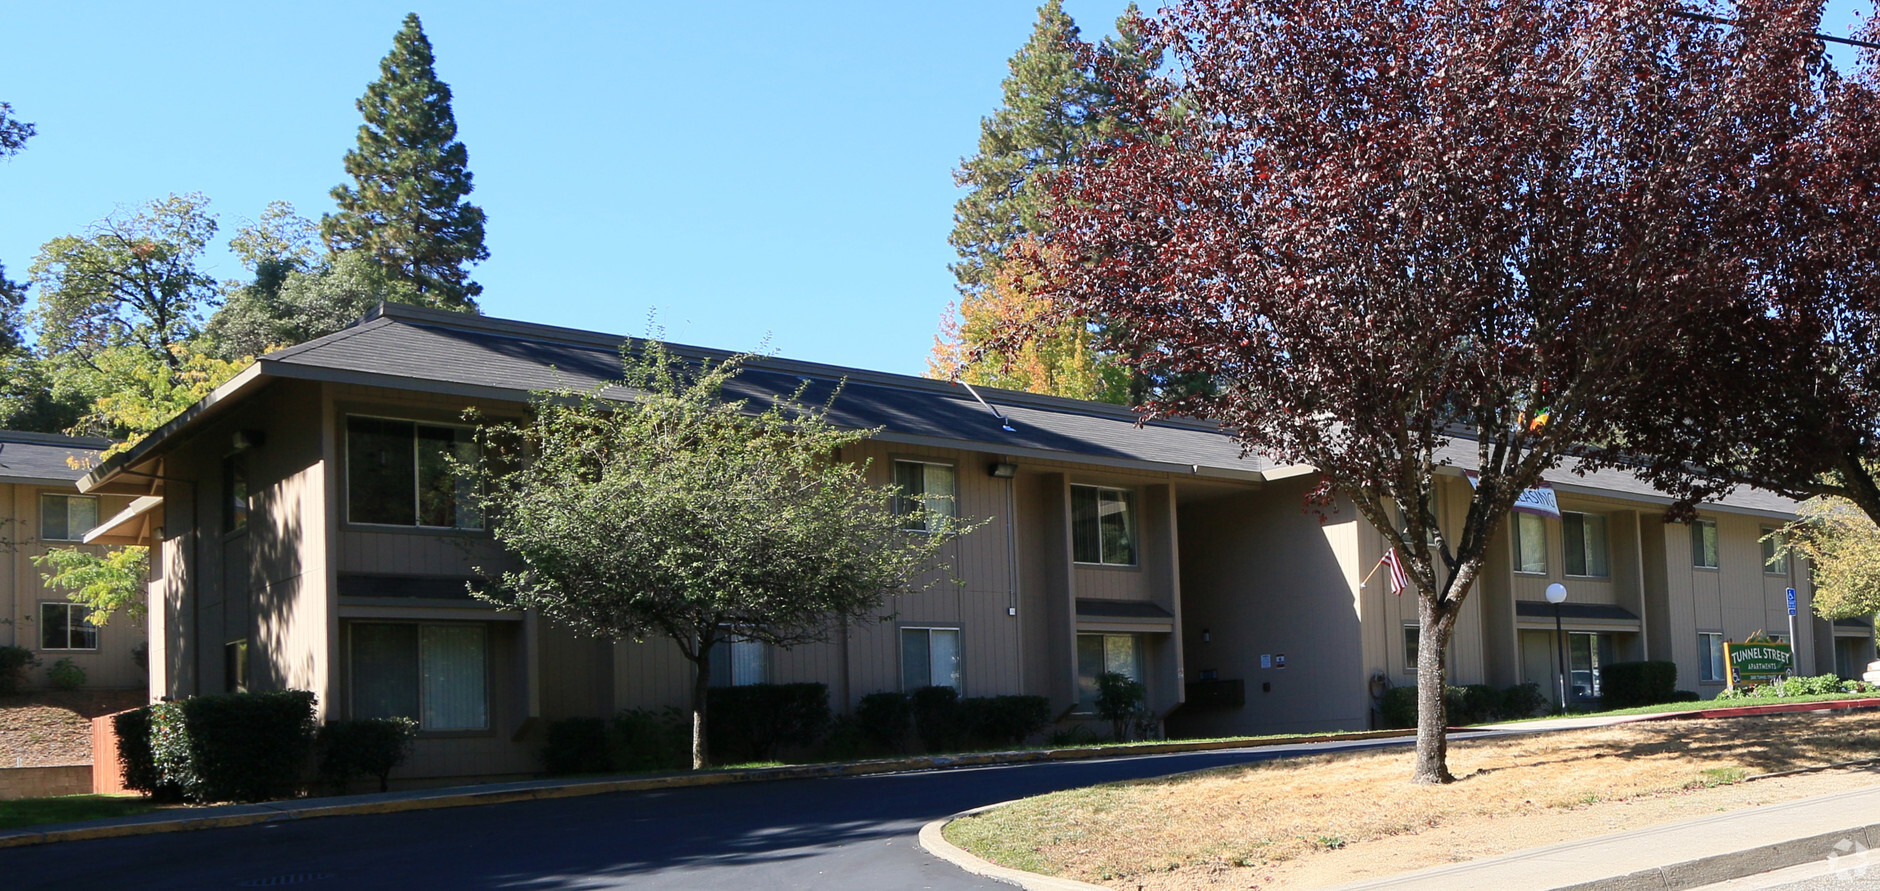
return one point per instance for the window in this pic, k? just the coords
(66, 626)
(235, 493)
(1530, 543)
(235, 666)
(398, 474)
(1411, 634)
(1710, 656)
(435, 674)
(1775, 559)
(1704, 544)
(1101, 653)
(738, 662)
(927, 495)
(66, 517)
(930, 657)
(1585, 536)
(1103, 525)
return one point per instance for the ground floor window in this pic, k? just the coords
(66, 626)
(930, 657)
(1710, 656)
(738, 662)
(436, 674)
(1585, 652)
(1851, 655)
(1100, 653)
(1411, 634)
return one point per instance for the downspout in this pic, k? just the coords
(1011, 574)
(1644, 609)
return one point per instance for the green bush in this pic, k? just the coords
(576, 745)
(13, 664)
(1633, 684)
(65, 675)
(1521, 701)
(884, 718)
(368, 746)
(140, 764)
(750, 723)
(642, 740)
(1399, 708)
(1473, 704)
(1686, 696)
(1820, 685)
(234, 746)
(1004, 720)
(1120, 701)
(937, 718)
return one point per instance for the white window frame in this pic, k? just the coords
(1705, 663)
(1140, 668)
(731, 643)
(1412, 638)
(417, 487)
(900, 648)
(1515, 538)
(1131, 503)
(70, 609)
(1606, 530)
(67, 500)
(1697, 533)
(904, 503)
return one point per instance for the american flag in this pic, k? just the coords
(1398, 580)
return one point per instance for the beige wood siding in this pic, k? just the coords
(114, 663)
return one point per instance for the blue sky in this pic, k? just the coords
(745, 170)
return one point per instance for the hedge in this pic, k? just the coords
(1473, 704)
(576, 745)
(13, 664)
(1634, 684)
(368, 746)
(140, 765)
(751, 722)
(235, 746)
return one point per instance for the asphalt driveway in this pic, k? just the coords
(845, 833)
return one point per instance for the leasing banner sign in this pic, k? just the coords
(1538, 500)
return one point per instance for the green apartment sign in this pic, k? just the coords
(1758, 659)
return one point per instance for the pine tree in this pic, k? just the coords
(407, 209)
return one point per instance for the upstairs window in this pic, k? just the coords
(1103, 525)
(1704, 544)
(1585, 536)
(398, 473)
(235, 488)
(1530, 543)
(1775, 559)
(927, 497)
(66, 517)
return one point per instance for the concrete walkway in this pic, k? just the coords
(1680, 855)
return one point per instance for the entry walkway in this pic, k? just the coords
(1680, 855)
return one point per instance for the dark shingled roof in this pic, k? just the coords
(46, 458)
(1089, 608)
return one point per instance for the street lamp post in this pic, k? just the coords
(1556, 595)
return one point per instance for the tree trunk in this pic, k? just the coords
(1432, 764)
(701, 688)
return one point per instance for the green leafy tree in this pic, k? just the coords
(133, 393)
(1842, 546)
(129, 281)
(298, 292)
(106, 582)
(13, 132)
(683, 514)
(407, 208)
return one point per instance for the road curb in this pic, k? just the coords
(228, 816)
(1738, 864)
(933, 841)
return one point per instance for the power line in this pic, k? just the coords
(1825, 38)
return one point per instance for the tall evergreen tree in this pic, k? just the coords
(407, 208)
(13, 132)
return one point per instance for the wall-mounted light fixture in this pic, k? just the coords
(1004, 470)
(249, 439)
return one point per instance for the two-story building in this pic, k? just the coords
(307, 534)
(42, 509)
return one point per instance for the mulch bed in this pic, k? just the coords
(50, 727)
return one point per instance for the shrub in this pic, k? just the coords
(140, 765)
(937, 717)
(13, 664)
(65, 675)
(749, 723)
(234, 746)
(883, 719)
(1686, 696)
(1120, 701)
(1004, 720)
(1633, 684)
(1473, 704)
(1399, 707)
(1521, 701)
(576, 745)
(642, 740)
(369, 746)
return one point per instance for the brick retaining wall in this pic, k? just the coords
(41, 782)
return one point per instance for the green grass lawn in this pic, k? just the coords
(18, 812)
(1663, 708)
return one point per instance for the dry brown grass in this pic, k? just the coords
(1334, 818)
